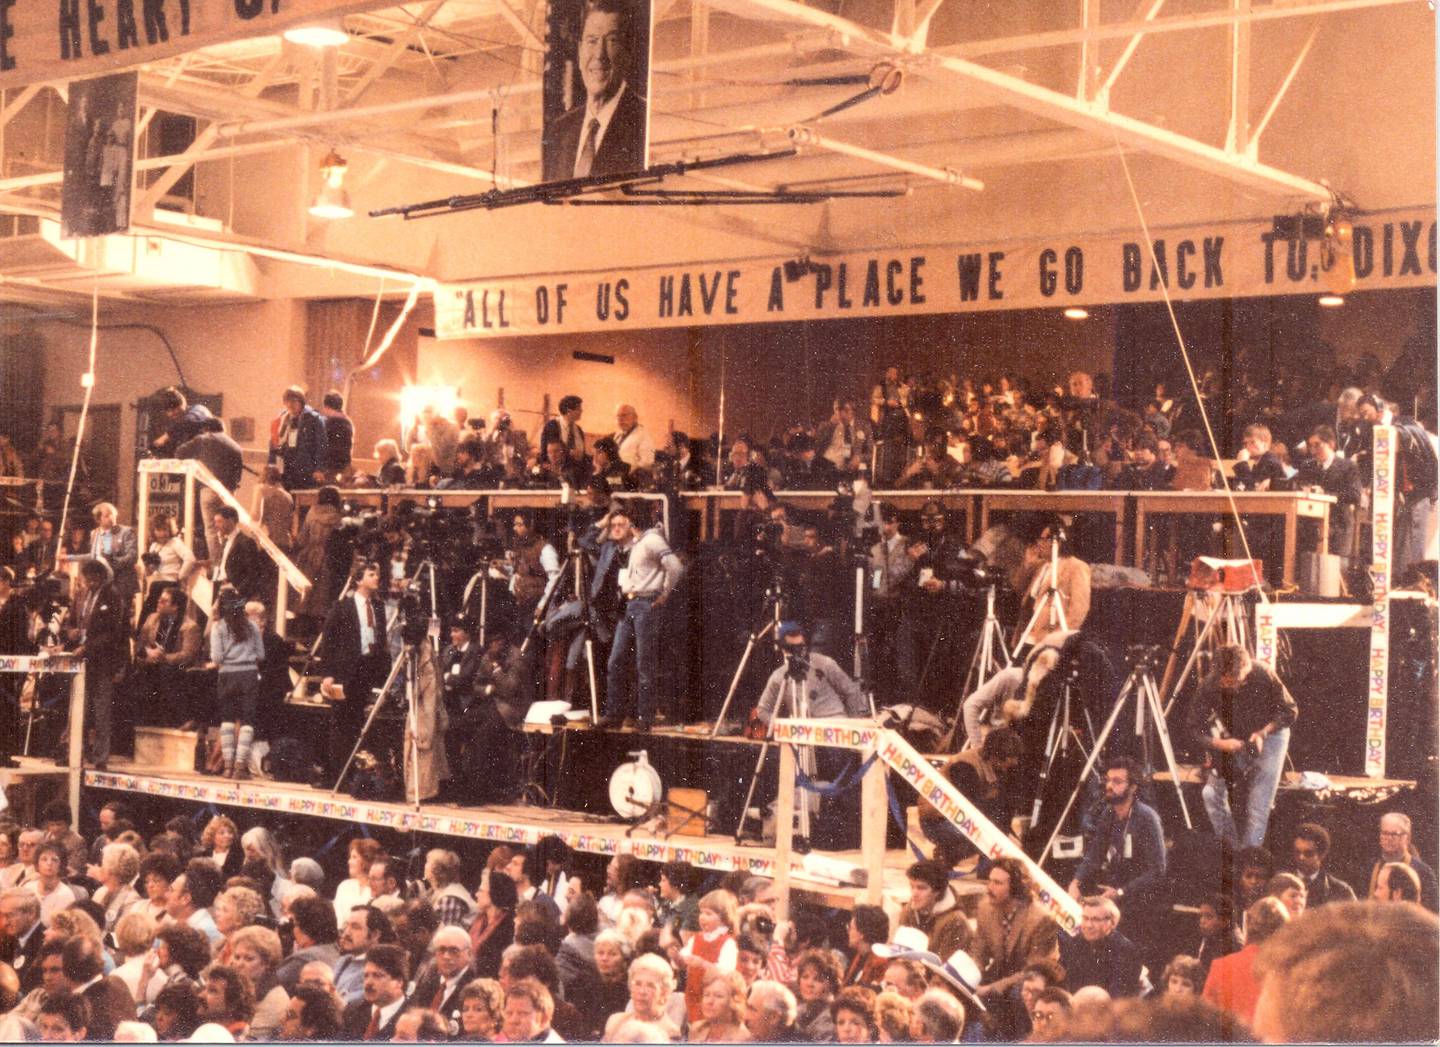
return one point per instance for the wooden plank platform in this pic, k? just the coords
(510, 824)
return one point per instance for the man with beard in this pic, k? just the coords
(1125, 854)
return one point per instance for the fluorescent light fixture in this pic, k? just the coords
(1076, 313)
(1331, 301)
(329, 32)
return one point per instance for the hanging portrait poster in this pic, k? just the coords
(596, 89)
(99, 156)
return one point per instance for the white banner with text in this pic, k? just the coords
(1391, 250)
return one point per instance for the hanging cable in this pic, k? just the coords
(88, 381)
(1185, 357)
(53, 318)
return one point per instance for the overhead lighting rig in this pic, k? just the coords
(638, 188)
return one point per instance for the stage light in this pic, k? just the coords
(333, 201)
(1331, 301)
(1076, 313)
(329, 32)
(415, 398)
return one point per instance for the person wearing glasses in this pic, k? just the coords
(1395, 846)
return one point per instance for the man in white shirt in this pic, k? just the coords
(637, 450)
(649, 573)
(191, 895)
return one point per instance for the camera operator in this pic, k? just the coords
(459, 665)
(475, 469)
(1010, 694)
(827, 691)
(821, 592)
(502, 692)
(213, 448)
(354, 658)
(1241, 716)
(1052, 577)
(929, 611)
(14, 620)
(182, 420)
(648, 574)
(564, 624)
(890, 568)
(533, 562)
(556, 469)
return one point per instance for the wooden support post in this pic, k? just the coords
(784, 830)
(282, 602)
(76, 757)
(873, 812)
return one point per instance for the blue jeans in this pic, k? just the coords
(640, 625)
(1260, 777)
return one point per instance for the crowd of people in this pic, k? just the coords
(163, 935)
(227, 936)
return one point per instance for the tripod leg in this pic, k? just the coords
(369, 721)
(1152, 697)
(1193, 660)
(1174, 655)
(755, 638)
(1052, 738)
(750, 793)
(590, 669)
(1094, 757)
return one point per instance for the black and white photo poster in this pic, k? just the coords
(597, 88)
(99, 156)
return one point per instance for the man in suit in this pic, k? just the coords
(459, 665)
(354, 658)
(373, 1016)
(298, 442)
(1309, 848)
(99, 638)
(13, 640)
(84, 973)
(604, 134)
(441, 981)
(24, 934)
(565, 429)
(1325, 471)
(237, 558)
(1010, 933)
(1101, 955)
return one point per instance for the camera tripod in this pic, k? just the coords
(1150, 728)
(575, 567)
(407, 664)
(770, 617)
(984, 663)
(1048, 601)
(1229, 622)
(792, 697)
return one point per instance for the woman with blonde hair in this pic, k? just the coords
(256, 953)
(258, 845)
(422, 464)
(119, 866)
(482, 1011)
(389, 464)
(219, 841)
(722, 1009)
(235, 909)
(134, 938)
(651, 982)
(74, 923)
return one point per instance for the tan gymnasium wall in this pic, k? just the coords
(248, 352)
(775, 374)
